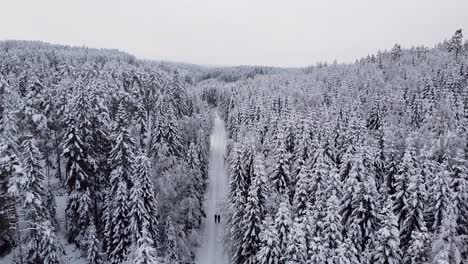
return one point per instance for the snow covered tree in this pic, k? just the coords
(118, 234)
(27, 185)
(179, 95)
(175, 250)
(448, 246)
(142, 201)
(283, 225)
(407, 168)
(387, 250)
(459, 187)
(363, 219)
(279, 173)
(117, 239)
(418, 248)
(332, 228)
(78, 182)
(414, 208)
(145, 251)
(455, 43)
(440, 197)
(237, 201)
(302, 192)
(269, 252)
(93, 253)
(251, 223)
(296, 251)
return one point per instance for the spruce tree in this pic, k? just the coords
(459, 187)
(77, 168)
(27, 185)
(302, 193)
(283, 225)
(406, 170)
(269, 252)
(448, 246)
(413, 220)
(418, 248)
(279, 173)
(387, 250)
(441, 196)
(142, 201)
(251, 223)
(117, 239)
(296, 251)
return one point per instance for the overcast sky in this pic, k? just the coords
(220, 32)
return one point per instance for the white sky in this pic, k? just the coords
(233, 32)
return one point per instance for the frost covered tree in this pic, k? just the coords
(440, 196)
(387, 250)
(296, 251)
(269, 252)
(78, 182)
(283, 225)
(407, 168)
(279, 173)
(42, 245)
(448, 246)
(414, 209)
(459, 187)
(418, 248)
(302, 192)
(117, 238)
(455, 43)
(145, 250)
(251, 223)
(143, 212)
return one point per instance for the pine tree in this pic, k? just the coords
(302, 193)
(175, 251)
(145, 251)
(269, 252)
(440, 196)
(171, 136)
(77, 183)
(93, 253)
(459, 187)
(279, 173)
(237, 201)
(283, 225)
(319, 175)
(387, 250)
(27, 185)
(455, 44)
(332, 227)
(406, 170)
(179, 94)
(418, 249)
(251, 224)
(296, 251)
(415, 207)
(363, 218)
(448, 246)
(142, 201)
(117, 240)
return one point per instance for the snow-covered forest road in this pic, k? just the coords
(211, 250)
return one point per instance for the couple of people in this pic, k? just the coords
(217, 218)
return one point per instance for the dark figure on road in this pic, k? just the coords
(217, 218)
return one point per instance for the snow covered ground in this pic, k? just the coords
(212, 245)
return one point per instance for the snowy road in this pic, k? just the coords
(211, 250)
